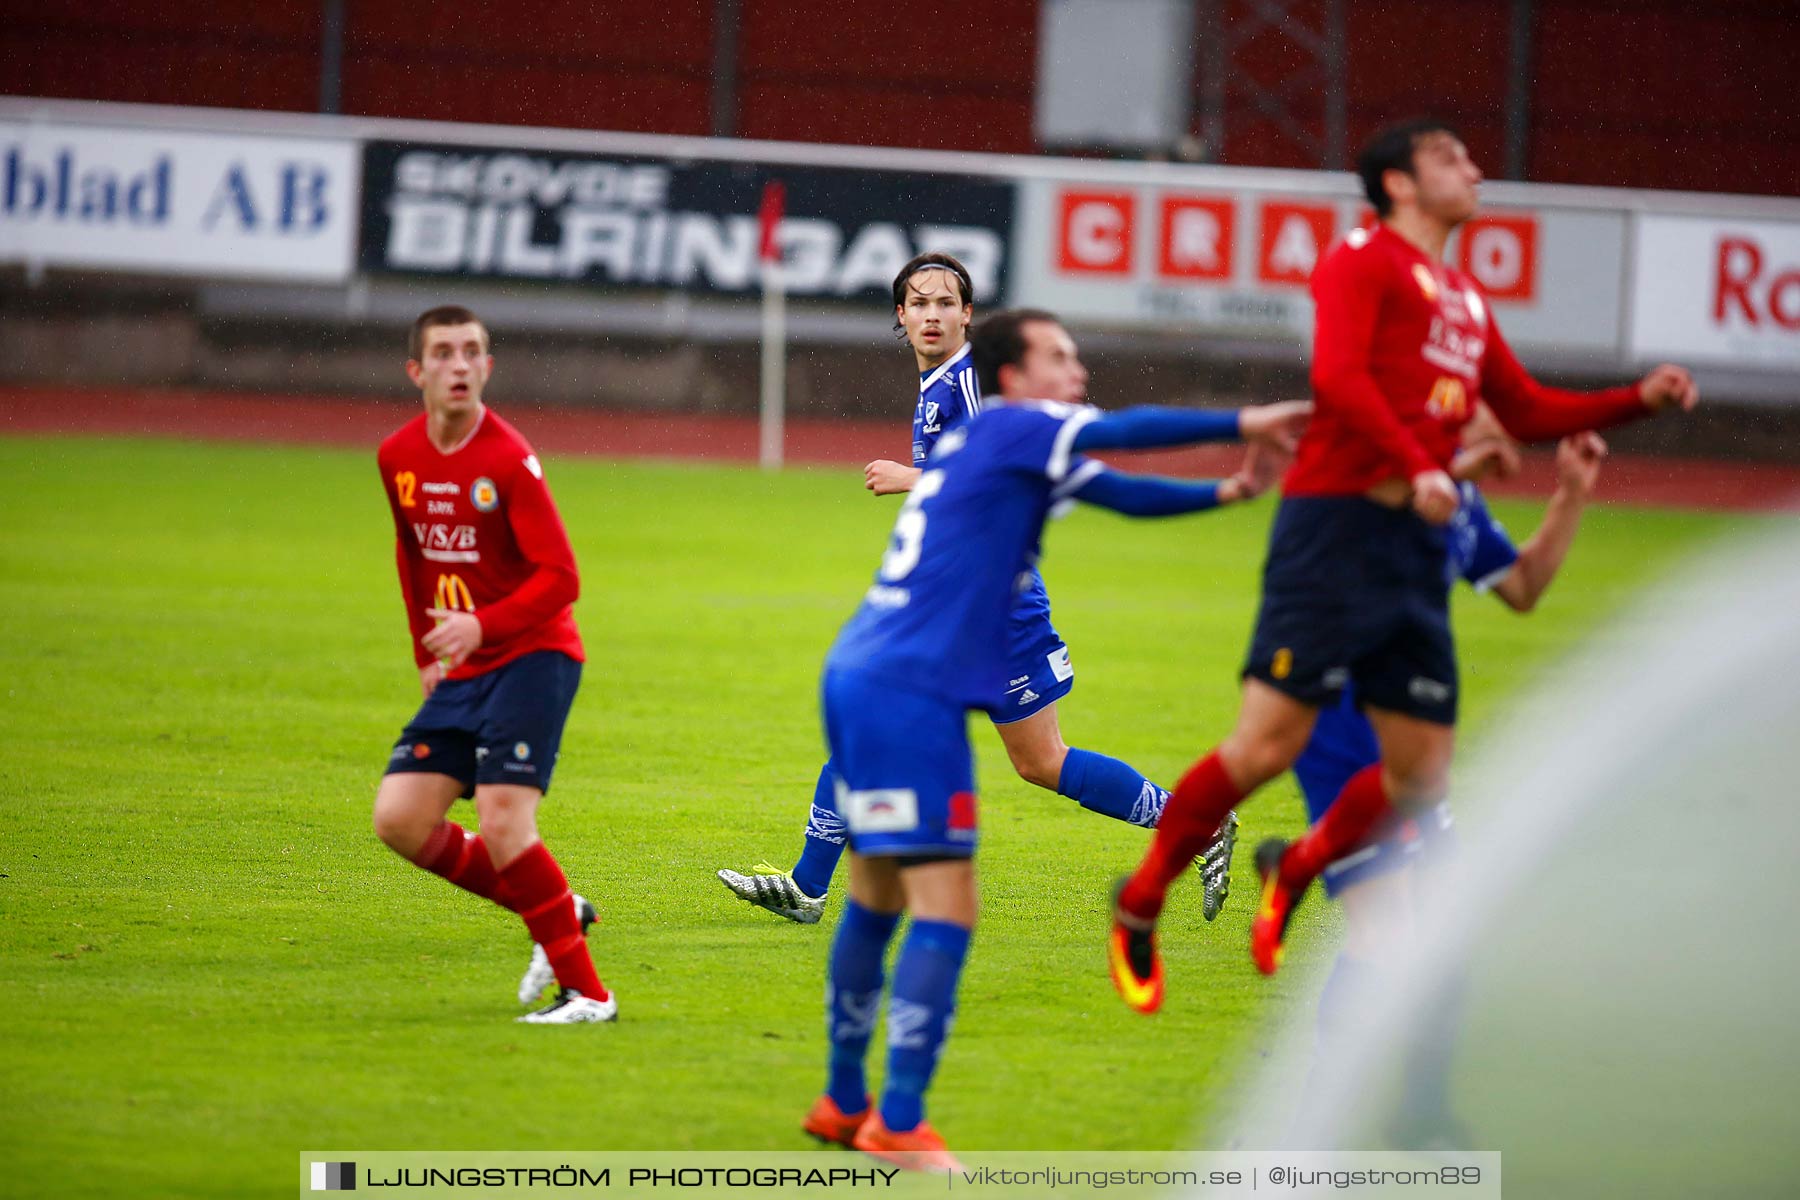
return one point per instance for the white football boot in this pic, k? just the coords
(540, 974)
(775, 889)
(572, 1008)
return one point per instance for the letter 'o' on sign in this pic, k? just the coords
(1094, 232)
(1501, 253)
(1195, 238)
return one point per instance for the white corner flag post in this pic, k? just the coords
(774, 328)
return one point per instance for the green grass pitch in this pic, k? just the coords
(208, 963)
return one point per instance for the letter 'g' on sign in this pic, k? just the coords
(1094, 232)
(1501, 253)
(1196, 238)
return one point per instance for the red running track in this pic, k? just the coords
(317, 420)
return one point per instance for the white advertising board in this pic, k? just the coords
(1235, 261)
(1717, 291)
(183, 203)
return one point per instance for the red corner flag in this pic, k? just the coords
(768, 219)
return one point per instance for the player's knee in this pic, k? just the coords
(1038, 761)
(508, 814)
(1043, 770)
(1417, 787)
(1253, 761)
(400, 829)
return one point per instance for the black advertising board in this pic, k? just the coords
(477, 212)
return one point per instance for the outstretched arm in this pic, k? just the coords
(1148, 427)
(1149, 496)
(1578, 460)
(1533, 412)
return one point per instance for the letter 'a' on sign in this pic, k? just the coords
(1294, 238)
(1094, 232)
(1195, 238)
(1500, 252)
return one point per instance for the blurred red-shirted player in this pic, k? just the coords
(1355, 587)
(488, 577)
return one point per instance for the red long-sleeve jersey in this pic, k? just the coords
(1403, 348)
(477, 530)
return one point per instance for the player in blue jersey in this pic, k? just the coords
(928, 644)
(933, 305)
(1377, 883)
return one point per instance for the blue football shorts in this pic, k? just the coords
(905, 781)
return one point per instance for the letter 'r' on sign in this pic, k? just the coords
(1294, 238)
(1501, 253)
(1196, 238)
(1094, 232)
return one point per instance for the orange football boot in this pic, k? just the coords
(916, 1149)
(1279, 903)
(829, 1123)
(1132, 960)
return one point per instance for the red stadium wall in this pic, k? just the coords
(1635, 93)
(1623, 93)
(939, 74)
(567, 63)
(164, 52)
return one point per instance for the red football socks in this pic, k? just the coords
(548, 908)
(462, 858)
(1196, 807)
(1345, 825)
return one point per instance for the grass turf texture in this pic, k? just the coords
(209, 963)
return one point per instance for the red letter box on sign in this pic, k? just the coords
(1501, 253)
(1196, 238)
(1294, 238)
(1094, 232)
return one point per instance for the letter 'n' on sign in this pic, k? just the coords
(1196, 237)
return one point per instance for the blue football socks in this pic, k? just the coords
(852, 998)
(824, 843)
(1112, 788)
(919, 1015)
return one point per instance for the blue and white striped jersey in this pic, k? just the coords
(948, 396)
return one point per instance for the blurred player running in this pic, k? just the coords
(1354, 587)
(1379, 882)
(929, 644)
(488, 578)
(933, 305)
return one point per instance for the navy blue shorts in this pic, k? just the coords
(1354, 592)
(502, 726)
(905, 777)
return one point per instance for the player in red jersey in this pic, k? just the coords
(488, 577)
(1354, 587)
